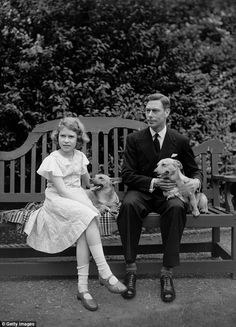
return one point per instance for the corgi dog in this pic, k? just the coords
(103, 194)
(170, 168)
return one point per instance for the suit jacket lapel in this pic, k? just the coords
(147, 145)
(168, 146)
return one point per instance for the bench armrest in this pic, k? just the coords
(225, 178)
(229, 190)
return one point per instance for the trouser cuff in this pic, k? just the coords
(131, 267)
(167, 271)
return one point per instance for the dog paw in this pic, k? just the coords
(196, 213)
(204, 211)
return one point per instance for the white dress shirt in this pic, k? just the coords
(161, 135)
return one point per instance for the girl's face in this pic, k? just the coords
(67, 140)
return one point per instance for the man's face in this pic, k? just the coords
(156, 115)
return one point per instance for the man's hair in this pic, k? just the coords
(158, 96)
(75, 125)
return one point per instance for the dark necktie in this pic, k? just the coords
(156, 143)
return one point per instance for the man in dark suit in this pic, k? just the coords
(143, 150)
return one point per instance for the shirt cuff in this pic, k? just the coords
(151, 188)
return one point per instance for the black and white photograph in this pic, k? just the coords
(117, 163)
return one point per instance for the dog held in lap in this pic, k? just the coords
(103, 195)
(171, 169)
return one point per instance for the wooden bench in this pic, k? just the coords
(20, 184)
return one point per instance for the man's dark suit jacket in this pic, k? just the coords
(140, 158)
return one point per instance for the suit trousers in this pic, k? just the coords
(135, 207)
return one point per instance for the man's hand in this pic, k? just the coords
(164, 184)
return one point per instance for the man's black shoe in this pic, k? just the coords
(167, 288)
(130, 283)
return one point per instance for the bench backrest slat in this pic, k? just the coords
(204, 168)
(44, 145)
(44, 154)
(125, 134)
(215, 185)
(210, 152)
(21, 183)
(105, 154)
(2, 176)
(22, 174)
(12, 176)
(33, 169)
(116, 152)
(95, 150)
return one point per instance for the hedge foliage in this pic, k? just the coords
(102, 57)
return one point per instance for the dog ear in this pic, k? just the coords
(116, 180)
(179, 164)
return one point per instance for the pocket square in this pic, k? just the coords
(174, 155)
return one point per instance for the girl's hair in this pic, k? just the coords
(75, 125)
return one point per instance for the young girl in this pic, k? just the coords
(67, 215)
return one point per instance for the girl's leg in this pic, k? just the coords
(82, 255)
(95, 246)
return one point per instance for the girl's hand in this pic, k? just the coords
(85, 179)
(103, 208)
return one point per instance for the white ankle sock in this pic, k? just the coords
(103, 268)
(83, 272)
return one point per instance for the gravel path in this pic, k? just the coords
(200, 302)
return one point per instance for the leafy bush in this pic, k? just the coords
(102, 57)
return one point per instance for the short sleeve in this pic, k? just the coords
(85, 162)
(49, 165)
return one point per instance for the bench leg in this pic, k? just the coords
(233, 251)
(215, 239)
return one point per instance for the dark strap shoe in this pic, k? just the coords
(87, 300)
(167, 288)
(130, 283)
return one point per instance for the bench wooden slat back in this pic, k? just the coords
(125, 134)
(2, 178)
(210, 152)
(21, 183)
(12, 176)
(33, 170)
(105, 154)
(22, 174)
(95, 149)
(44, 154)
(116, 152)
(204, 168)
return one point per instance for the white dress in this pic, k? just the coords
(61, 221)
